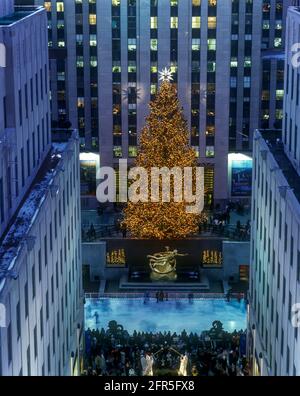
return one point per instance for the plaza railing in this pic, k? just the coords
(170, 295)
(228, 231)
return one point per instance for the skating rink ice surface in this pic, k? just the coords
(173, 315)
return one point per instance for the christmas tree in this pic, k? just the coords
(164, 142)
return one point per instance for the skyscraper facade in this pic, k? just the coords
(275, 240)
(40, 265)
(106, 57)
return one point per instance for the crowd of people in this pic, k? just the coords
(115, 352)
(219, 222)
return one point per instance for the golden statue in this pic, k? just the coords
(163, 264)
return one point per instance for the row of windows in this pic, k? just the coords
(275, 271)
(55, 286)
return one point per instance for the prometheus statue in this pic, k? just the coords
(163, 264)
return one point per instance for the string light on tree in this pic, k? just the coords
(164, 142)
(165, 75)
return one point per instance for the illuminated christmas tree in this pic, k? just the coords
(164, 142)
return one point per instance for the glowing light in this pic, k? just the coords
(165, 75)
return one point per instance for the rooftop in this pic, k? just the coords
(18, 233)
(19, 14)
(277, 149)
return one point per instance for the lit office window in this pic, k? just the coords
(196, 149)
(47, 5)
(61, 44)
(210, 151)
(153, 68)
(93, 61)
(247, 62)
(80, 102)
(195, 44)
(173, 67)
(153, 89)
(116, 67)
(174, 22)
(60, 6)
(279, 94)
(277, 42)
(93, 19)
(266, 24)
(132, 151)
(93, 40)
(131, 66)
(211, 44)
(117, 150)
(153, 23)
(234, 62)
(115, 3)
(60, 24)
(153, 44)
(211, 22)
(265, 114)
(131, 44)
(196, 22)
(79, 61)
(196, 3)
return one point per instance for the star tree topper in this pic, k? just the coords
(165, 75)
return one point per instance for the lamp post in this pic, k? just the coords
(253, 350)
(261, 363)
(72, 363)
(78, 348)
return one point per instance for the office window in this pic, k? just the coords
(153, 44)
(93, 40)
(195, 44)
(93, 19)
(174, 22)
(211, 44)
(60, 6)
(47, 5)
(153, 22)
(196, 22)
(211, 22)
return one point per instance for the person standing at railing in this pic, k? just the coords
(92, 232)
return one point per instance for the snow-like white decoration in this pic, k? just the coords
(165, 75)
(19, 231)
